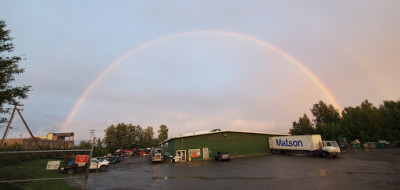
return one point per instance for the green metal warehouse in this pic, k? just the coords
(203, 146)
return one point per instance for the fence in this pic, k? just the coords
(40, 169)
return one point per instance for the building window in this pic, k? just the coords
(194, 153)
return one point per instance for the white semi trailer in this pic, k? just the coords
(310, 144)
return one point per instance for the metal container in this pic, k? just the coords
(299, 142)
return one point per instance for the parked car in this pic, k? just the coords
(114, 159)
(143, 152)
(222, 155)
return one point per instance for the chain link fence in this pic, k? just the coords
(42, 169)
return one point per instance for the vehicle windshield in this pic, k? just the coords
(334, 144)
(157, 151)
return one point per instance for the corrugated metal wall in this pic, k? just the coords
(236, 143)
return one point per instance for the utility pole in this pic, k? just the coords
(92, 137)
(26, 125)
(23, 120)
(30, 132)
(8, 126)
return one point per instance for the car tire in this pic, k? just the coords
(103, 168)
(219, 159)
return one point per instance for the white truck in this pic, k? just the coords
(95, 164)
(99, 164)
(310, 144)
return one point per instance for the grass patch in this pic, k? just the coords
(35, 169)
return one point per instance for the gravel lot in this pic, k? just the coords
(374, 169)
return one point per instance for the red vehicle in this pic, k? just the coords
(142, 152)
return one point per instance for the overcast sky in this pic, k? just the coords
(198, 65)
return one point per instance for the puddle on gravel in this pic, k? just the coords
(323, 172)
(372, 173)
(211, 178)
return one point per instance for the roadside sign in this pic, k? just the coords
(53, 165)
(81, 158)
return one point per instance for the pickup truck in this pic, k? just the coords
(95, 164)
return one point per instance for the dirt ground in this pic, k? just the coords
(373, 169)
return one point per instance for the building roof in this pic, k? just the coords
(63, 134)
(220, 131)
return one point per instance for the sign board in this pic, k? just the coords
(82, 158)
(53, 165)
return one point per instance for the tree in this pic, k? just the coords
(324, 113)
(123, 136)
(303, 127)
(362, 122)
(9, 95)
(327, 119)
(136, 134)
(15, 147)
(85, 145)
(99, 143)
(163, 133)
(148, 137)
(371, 120)
(118, 137)
(98, 150)
(390, 117)
(110, 138)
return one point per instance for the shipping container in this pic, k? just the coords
(311, 144)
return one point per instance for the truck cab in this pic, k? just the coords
(156, 155)
(330, 147)
(97, 164)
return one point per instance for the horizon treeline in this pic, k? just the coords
(126, 136)
(365, 122)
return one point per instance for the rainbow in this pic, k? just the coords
(260, 42)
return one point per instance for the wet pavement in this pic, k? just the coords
(375, 169)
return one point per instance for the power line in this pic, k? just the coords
(16, 109)
(16, 128)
